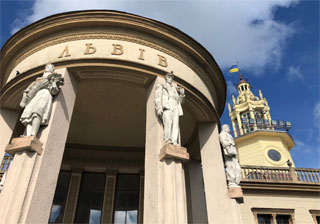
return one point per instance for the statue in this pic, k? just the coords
(168, 100)
(233, 168)
(37, 100)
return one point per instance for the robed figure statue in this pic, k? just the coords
(233, 169)
(168, 100)
(37, 100)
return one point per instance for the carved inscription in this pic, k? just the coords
(162, 61)
(141, 56)
(65, 53)
(117, 50)
(90, 49)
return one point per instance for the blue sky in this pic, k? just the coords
(275, 41)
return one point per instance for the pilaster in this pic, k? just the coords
(108, 202)
(34, 203)
(8, 120)
(165, 191)
(72, 198)
(215, 185)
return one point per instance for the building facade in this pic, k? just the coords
(275, 191)
(99, 159)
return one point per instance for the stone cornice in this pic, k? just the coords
(122, 25)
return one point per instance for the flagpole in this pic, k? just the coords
(241, 78)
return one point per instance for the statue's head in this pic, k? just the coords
(169, 77)
(226, 128)
(49, 68)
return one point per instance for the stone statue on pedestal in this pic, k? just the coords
(168, 100)
(37, 100)
(233, 169)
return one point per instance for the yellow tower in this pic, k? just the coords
(260, 140)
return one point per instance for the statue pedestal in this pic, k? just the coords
(29, 143)
(235, 193)
(174, 200)
(170, 151)
(12, 197)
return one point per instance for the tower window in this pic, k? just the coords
(274, 155)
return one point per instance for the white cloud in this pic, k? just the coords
(316, 113)
(294, 73)
(231, 30)
(302, 147)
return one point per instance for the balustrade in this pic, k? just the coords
(275, 174)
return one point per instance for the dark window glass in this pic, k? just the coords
(274, 155)
(60, 197)
(127, 199)
(90, 198)
(318, 219)
(264, 219)
(283, 219)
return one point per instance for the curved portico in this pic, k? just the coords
(103, 120)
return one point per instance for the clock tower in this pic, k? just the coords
(260, 140)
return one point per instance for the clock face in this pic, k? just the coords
(274, 155)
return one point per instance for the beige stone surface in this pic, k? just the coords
(164, 192)
(44, 178)
(235, 193)
(153, 166)
(28, 143)
(104, 48)
(170, 151)
(197, 212)
(8, 120)
(301, 202)
(220, 208)
(33, 177)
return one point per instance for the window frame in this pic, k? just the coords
(314, 213)
(63, 211)
(273, 212)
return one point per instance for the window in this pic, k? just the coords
(90, 199)
(127, 199)
(315, 215)
(60, 197)
(264, 219)
(273, 215)
(274, 155)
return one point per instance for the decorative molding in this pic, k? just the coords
(103, 162)
(116, 26)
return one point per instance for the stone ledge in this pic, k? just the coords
(170, 151)
(235, 193)
(29, 143)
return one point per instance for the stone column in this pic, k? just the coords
(234, 128)
(109, 193)
(239, 124)
(72, 198)
(220, 208)
(8, 120)
(197, 205)
(141, 197)
(253, 117)
(164, 192)
(33, 175)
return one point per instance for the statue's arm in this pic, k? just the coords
(157, 99)
(53, 88)
(181, 94)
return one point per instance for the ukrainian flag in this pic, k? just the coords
(234, 68)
